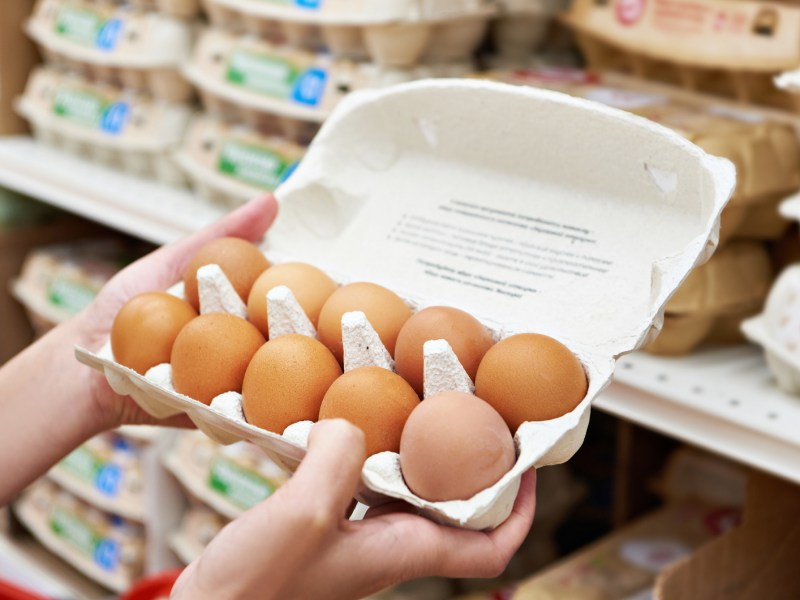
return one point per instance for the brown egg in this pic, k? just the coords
(384, 309)
(145, 329)
(286, 381)
(467, 337)
(374, 399)
(453, 446)
(241, 261)
(530, 377)
(309, 285)
(211, 354)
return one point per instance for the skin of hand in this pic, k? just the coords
(51, 403)
(299, 544)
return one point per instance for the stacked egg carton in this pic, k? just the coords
(269, 73)
(733, 284)
(111, 89)
(723, 47)
(221, 483)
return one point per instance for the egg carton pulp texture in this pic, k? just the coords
(411, 202)
(126, 47)
(105, 124)
(728, 48)
(278, 89)
(231, 164)
(395, 33)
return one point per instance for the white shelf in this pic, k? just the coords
(724, 400)
(146, 209)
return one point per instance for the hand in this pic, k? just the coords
(156, 271)
(298, 544)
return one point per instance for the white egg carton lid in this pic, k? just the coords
(359, 12)
(532, 210)
(233, 161)
(101, 115)
(258, 76)
(392, 32)
(109, 35)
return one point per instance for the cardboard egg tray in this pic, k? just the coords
(130, 48)
(104, 124)
(229, 479)
(106, 471)
(231, 164)
(106, 548)
(182, 9)
(724, 47)
(282, 90)
(715, 299)
(766, 152)
(508, 219)
(397, 33)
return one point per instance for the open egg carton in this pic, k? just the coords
(283, 90)
(397, 33)
(722, 47)
(181, 9)
(107, 125)
(231, 164)
(509, 219)
(122, 46)
(766, 152)
(104, 547)
(775, 329)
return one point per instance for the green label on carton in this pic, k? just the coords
(80, 106)
(82, 463)
(252, 164)
(237, 484)
(266, 74)
(69, 295)
(88, 27)
(80, 535)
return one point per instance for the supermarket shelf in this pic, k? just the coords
(130, 510)
(723, 400)
(24, 562)
(149, 210)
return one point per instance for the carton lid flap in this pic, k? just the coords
(530, 209)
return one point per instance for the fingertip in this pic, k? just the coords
(341, 432)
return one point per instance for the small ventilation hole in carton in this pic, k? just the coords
(362, 345)
(442, 370)
(285, 315)
(217, 293)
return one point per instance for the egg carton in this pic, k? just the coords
(104, 547)
(281, 90)
(732, 49)
(129, 48)
(521, 26)
(537, 190)
(182, 9)
(106, 472)
(715, 299)
(397, 33)
(104, 124)
(228, 479)
(197, 528)
(231, 164)
(775, 330)
(766, 152)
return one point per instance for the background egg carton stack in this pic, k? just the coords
(111, 89)
(734, 283)
(269, 73)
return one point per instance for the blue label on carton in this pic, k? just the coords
(108, 479)
(114, 118)
(108, 35)
(309, 4)
(106, 554)
(310, 87)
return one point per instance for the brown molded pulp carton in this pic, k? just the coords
(530, 209)
(729, 48)
(121, 46)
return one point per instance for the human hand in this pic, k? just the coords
(156, 271)
(299, 544)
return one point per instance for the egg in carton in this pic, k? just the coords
(103, 546)
(397, 33)
(592, 216)
(182, 9)
(521, 26)
(283, 90)
(107, 125)
(230, 164)
(130, 48)
(732, 49)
